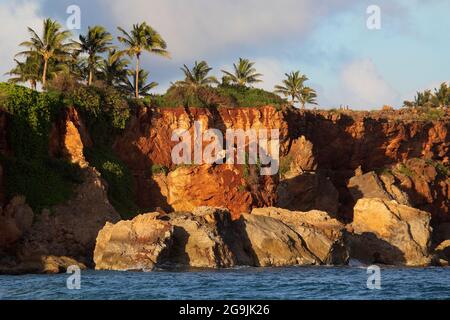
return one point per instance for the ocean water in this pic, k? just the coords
(299, 283)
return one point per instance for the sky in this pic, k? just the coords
(329, 41)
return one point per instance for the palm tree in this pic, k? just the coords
(307, 96)
(142, 88)
(244, 73)
(292, 85)
(197, 76)
(52, 45)
(142, 38)
(114, 68)
(27, 71)
(442, 95)
(423, 99)
(95, 42)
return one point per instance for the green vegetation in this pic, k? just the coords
(97, 41)
(429, 100)
(405, 170)
(159, 169)
(30, 171)
(442, 169)
(215, 97)
(119, 179)
(294, 88)
(141, 38)
(285, 165)
(243, 74)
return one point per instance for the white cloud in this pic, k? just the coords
(15, 17)
(196, 29)
(363, 87)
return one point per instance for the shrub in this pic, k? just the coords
(120, 181)
(159, 169)
(222, 96)
(30, 171)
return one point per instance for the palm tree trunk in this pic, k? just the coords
(33, 84)
(136, 84)
(44, 74)
(90, 77)
(303, 106)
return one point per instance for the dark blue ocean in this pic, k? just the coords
(330, 283)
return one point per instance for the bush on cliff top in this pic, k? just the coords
(222, 96)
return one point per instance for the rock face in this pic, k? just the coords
(386, 232)
(147, 142)
(308, 191)
(331, 145)
(323, 235)
(138, 244)
(15, 221)
(206, 185)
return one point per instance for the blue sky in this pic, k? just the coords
(348, 64)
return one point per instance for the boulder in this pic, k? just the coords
(386, 232)
(269, 242)
(198, 241)
(323, 235)
(370, 185)
(138, 244)
(443, 251)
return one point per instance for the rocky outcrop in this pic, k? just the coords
(70, 229)
(209, 238)
(207, 185)
(308, 191)
(386, 232)
(199, 239)
(370, 185)
(69, 137)
(15, 220)
(138, 244)
(418, 183)
(323, 235)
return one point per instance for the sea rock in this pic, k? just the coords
(323, 235)
(139, 244)
(269, 242)
(443, 251)
(386, 232)
(39, 265)
(198, 241)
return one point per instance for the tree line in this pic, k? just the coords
(94, 57)
(439, 98)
